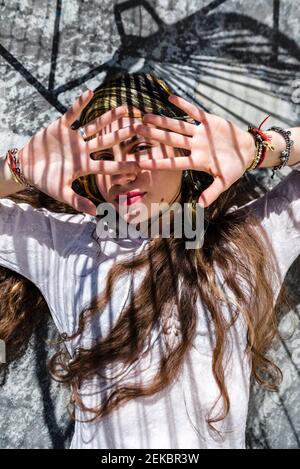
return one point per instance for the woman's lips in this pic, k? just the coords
(123, 200)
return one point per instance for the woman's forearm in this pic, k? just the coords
(272, 158)
(7, 185)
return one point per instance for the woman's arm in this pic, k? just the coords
(7, 184)
(273, 157)
(217, 147)
(57, 155)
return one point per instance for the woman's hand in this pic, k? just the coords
(217, 147)
(56, 156)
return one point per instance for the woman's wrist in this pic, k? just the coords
(274, 148)
(272, 158)
(251, 149)
(13, 160)
(8, 185)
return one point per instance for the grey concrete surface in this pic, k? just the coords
(235, 58)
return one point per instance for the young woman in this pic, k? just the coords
(160, 341)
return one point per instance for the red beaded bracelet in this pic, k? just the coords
(262, 142)
(14, 166)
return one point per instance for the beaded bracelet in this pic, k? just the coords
(14, 166)
(285, 154)
(262, 143)
(261, 149)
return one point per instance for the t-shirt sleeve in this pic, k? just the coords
(279, 213)
(25, 240)
(40, 245)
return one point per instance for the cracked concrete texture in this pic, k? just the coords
(233, 60)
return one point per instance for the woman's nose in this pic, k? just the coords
(123, 178)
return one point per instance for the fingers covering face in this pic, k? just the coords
(175, 125)
(163, 136)
(101, 142)
(92, 128)
(174, 163)
(113, 167)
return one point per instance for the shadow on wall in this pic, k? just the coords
(204, 42)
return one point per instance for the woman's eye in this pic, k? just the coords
(110, 157)
(141, 148)
(106, 157)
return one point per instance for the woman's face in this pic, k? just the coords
(157, 186)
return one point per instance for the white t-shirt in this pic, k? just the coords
(63, 257)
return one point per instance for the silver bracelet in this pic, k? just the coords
(285, 154)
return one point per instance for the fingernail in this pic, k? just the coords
(86, 93)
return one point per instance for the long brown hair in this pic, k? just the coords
(233, 242)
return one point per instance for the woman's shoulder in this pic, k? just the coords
(278, 214)
(279, 198)
(9, 205)
(22, 218)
